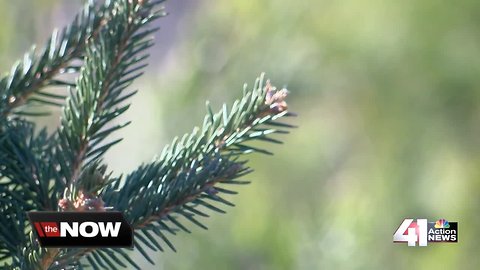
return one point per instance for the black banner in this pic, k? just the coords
(81, 229)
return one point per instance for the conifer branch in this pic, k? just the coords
(34, 72)
(189, 177)
(224, 132)
(101, 85)
(191, 171)
(109, 59)
(190, 174)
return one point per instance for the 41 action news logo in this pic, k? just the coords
(421, 231)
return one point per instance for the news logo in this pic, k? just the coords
(81, 229)
(421, 231)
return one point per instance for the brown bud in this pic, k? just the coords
(275, 99)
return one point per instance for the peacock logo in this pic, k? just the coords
(442, 224)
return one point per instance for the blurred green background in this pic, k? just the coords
(388, 98)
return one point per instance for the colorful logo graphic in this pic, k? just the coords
(442, 223)
(421, 232)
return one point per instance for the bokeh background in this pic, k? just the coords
(388, 98)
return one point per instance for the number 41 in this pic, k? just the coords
(412, 232)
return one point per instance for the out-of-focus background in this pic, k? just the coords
(388, 98)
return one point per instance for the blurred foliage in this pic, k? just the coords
(387, 94)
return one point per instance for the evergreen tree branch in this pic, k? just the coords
(190, 176)
(25, 166)
(16, 88)
(118, 53)
(12, 236)
(26, 173)
(220, 143)
(190, 173)
(34, 72)
(112, 61)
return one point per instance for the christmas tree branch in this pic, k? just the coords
(190, 172)
(190, 176)
(24, 164)
(223, 147)
(113, 60)
(116, 54)
(34, 72)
